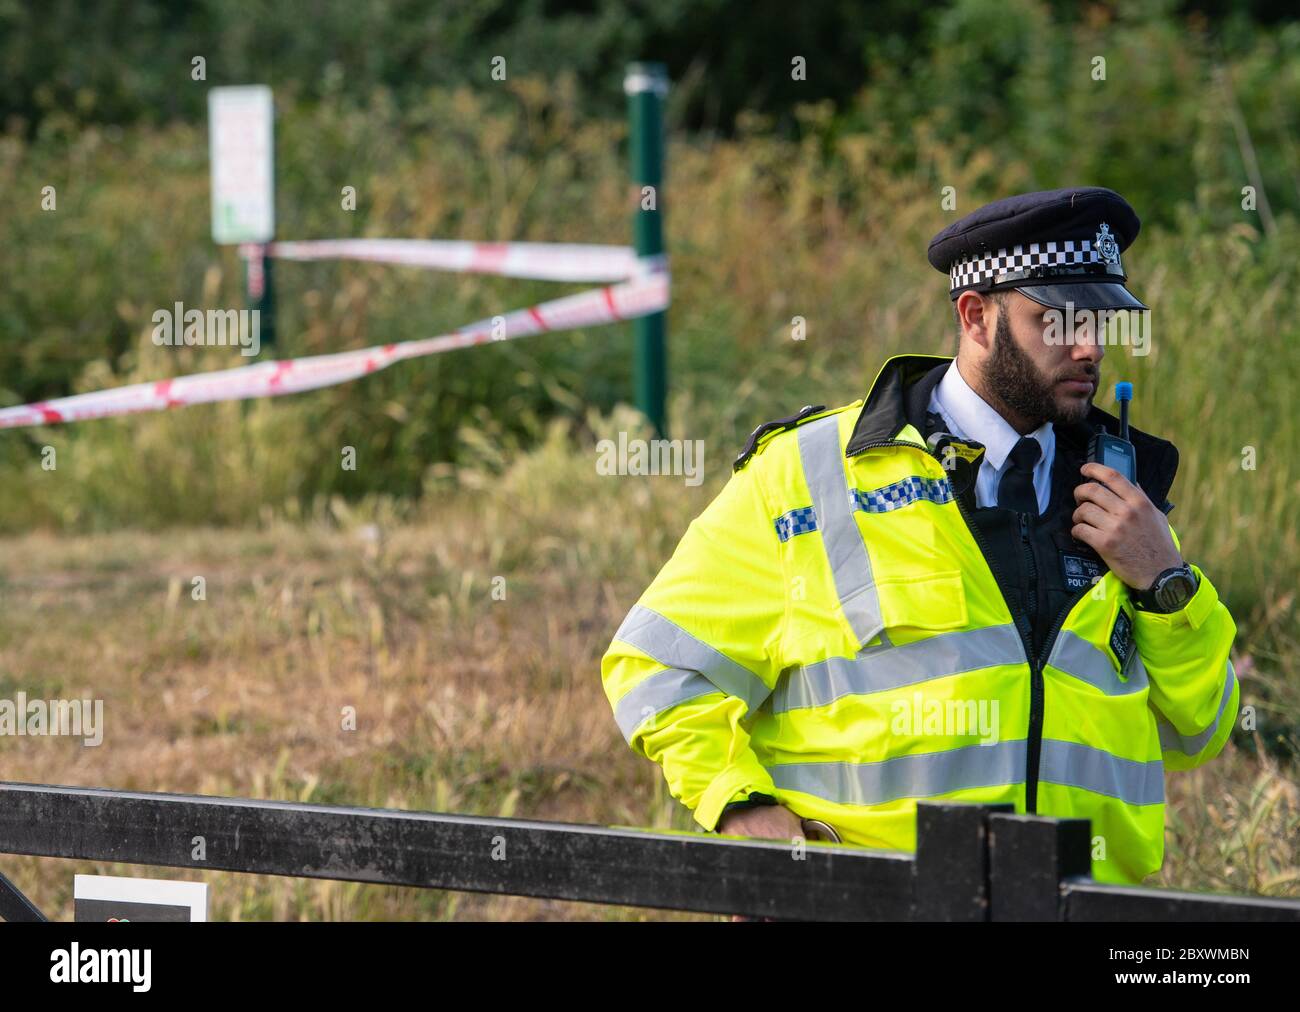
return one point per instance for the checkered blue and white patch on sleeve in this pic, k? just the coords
(903, 493)
(881, 500)
(797, 521)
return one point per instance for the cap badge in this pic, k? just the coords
(1106, 246)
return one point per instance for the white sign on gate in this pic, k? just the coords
(241, 142)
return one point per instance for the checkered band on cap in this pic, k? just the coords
(1004, 263)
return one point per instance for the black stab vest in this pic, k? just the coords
(1041, 569)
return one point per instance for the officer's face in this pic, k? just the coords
(1037, 378)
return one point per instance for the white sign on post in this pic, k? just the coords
(241, 141)
(113, 898)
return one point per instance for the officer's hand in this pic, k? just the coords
(1123, 526)
(767, 822)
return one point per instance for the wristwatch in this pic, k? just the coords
(1171, 591)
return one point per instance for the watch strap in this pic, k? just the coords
(754, 800)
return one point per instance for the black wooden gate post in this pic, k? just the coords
(1029, 856)
(951, 872)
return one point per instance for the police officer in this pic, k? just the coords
(931, 593)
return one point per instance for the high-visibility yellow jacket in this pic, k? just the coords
(828, 629)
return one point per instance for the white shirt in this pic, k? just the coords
(968, 416)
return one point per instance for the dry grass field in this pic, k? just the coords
(465, 702)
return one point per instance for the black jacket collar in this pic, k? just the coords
(901, 390)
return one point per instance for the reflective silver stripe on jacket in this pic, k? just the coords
(1074, 765)
(833, 502)
(1087, 662)
(1171, 740)
(933, 773)
(906, 776)
(673, 647)
(656, 693)
(878, 669)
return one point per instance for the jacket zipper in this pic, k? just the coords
(1031, 567)
(1034, 751)
(1036, 661)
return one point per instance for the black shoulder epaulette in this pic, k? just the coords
(775, 425)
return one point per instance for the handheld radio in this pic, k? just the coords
(1116, 451)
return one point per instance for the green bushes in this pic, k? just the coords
(828, 227)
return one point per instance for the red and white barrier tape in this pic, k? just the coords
(644, 293)
(542, 261)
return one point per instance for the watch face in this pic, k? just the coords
(1175, 592)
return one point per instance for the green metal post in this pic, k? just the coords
(259, 289)
(646, 84)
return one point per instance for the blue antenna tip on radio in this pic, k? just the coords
(1123, 391)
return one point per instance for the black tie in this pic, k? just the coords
(1016, 488)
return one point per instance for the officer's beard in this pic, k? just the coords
(1011, 376)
